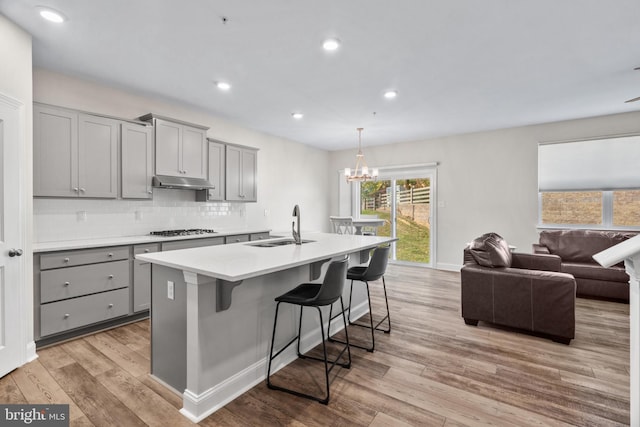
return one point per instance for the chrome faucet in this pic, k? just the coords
(296, 234)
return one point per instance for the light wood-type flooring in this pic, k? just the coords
(432, 370)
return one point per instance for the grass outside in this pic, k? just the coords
(413, 244)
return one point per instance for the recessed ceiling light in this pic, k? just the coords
(390, 94)
(331, 44)
(52, 15)
(297, 116)
(223, 85)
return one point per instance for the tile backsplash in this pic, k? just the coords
(71, 219)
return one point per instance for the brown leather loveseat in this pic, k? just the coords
(519, 290)
(576, 249)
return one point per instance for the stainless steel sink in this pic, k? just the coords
(278, 243)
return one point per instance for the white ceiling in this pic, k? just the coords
(458, 65)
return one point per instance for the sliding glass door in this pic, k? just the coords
(405, 205)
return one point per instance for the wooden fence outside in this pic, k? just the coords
(411, 196)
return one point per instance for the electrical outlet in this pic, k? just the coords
(170, 290)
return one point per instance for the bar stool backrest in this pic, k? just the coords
(333, 283)
(341, 224)
(378, 264)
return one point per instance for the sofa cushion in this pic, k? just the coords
(580, 245)
(595, 272)
(491, 250)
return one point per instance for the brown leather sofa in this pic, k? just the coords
(518, 290)
(576, 249)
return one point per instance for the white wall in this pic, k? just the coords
(289, 173)
(487, 180)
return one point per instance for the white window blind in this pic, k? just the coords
(598, 164)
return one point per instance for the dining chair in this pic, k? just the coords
(341, 224)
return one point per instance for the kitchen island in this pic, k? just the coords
(212, 311)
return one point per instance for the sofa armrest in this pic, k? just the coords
(541, 301)
(536, 262)
(540, 249)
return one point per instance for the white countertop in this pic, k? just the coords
(133, 240)
(241, 261)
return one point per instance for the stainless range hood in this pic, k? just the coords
(181, 182)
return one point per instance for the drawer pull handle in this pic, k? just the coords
(66, 260)
(146, 250)
(111, 276)
(110, 305)
(67, 283)
(237, 240)
(109, 254)
(66, 316)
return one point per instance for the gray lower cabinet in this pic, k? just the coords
(74, 154)
(76, 291)
(142, 278)
(81, 287)
(192, 243)
(73, 313)
(236, 238)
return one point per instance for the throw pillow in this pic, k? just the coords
(491, 250)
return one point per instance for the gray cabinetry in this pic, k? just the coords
(136, 161)
(192, 243)
(241, 173)
(237, 238)
(55, 152)
(216, 174)
(180, 148)
(97, 156)
(142, 278)
(79, 288)
(75, 154)
(258, 236)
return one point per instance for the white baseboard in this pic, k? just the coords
(197, 407)
(31, 352)
(448, 267)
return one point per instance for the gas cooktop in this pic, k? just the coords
(189, 232)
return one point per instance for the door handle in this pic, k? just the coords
(15, 252)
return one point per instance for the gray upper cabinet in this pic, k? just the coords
(97, 156)
(216, 173)
(136, 160)
(75, 155)
(55, 152)
(241, 173)
(180, 148)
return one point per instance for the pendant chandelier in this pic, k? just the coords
(361, 172)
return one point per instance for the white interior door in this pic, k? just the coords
(11, 236)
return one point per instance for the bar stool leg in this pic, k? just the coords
(386, 301)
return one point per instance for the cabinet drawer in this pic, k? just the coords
(145, 249)
(72, 313)
(258, 236)
(193, 243)
(83, 280)
(237, 239)
(80, 257)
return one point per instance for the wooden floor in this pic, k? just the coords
(432, 370)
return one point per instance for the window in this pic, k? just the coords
(594, 183)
